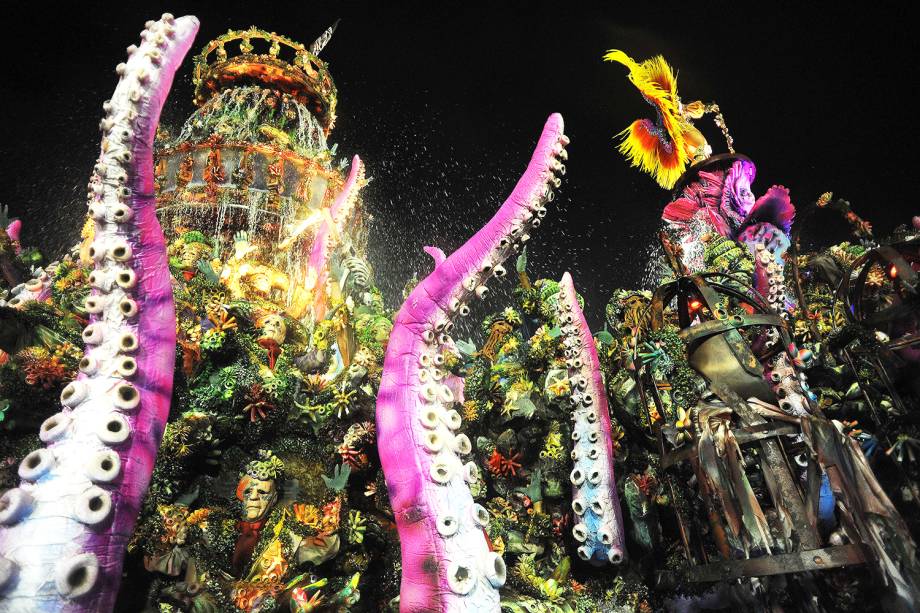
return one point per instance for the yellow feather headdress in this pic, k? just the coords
(663, 147)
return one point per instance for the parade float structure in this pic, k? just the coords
(775, 486)
(310, 453)
(278, 333)
(252, 170)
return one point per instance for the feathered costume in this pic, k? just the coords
(663, 147)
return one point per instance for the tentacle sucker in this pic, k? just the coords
(64, 530)
(446, 562)
(598, 518)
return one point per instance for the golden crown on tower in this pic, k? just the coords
(283, 64)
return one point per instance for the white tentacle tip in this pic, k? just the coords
(76, 576)
(14, 505)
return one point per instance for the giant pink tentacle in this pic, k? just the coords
(446, 562)
(319, 254)
(599, 526)
(65, 528)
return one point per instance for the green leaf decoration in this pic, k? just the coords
(465, 347)
(604, 337)
(339, 478)
(208, 271)
(521, 264)
(524, 407)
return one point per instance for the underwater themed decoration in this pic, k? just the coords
(208, 405)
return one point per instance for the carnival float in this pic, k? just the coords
(229, 417)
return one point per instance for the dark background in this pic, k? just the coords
(444, 105)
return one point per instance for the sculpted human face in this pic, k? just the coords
(634, 310)
(258, 499)
(191, 253)
(273, 327)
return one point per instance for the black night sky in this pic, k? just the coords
(444, 103)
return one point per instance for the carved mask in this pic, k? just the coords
(258, 498)
(634, 311)
(191, 253)
(273, 327)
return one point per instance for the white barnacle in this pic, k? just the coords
(480, 515)
(461, 578)
(74, 393)
(36, 464)
(54, 427)
(113, 430)
(93, 506)
(104, 466)
(76, 576)
(496, 572)
(126, 397)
